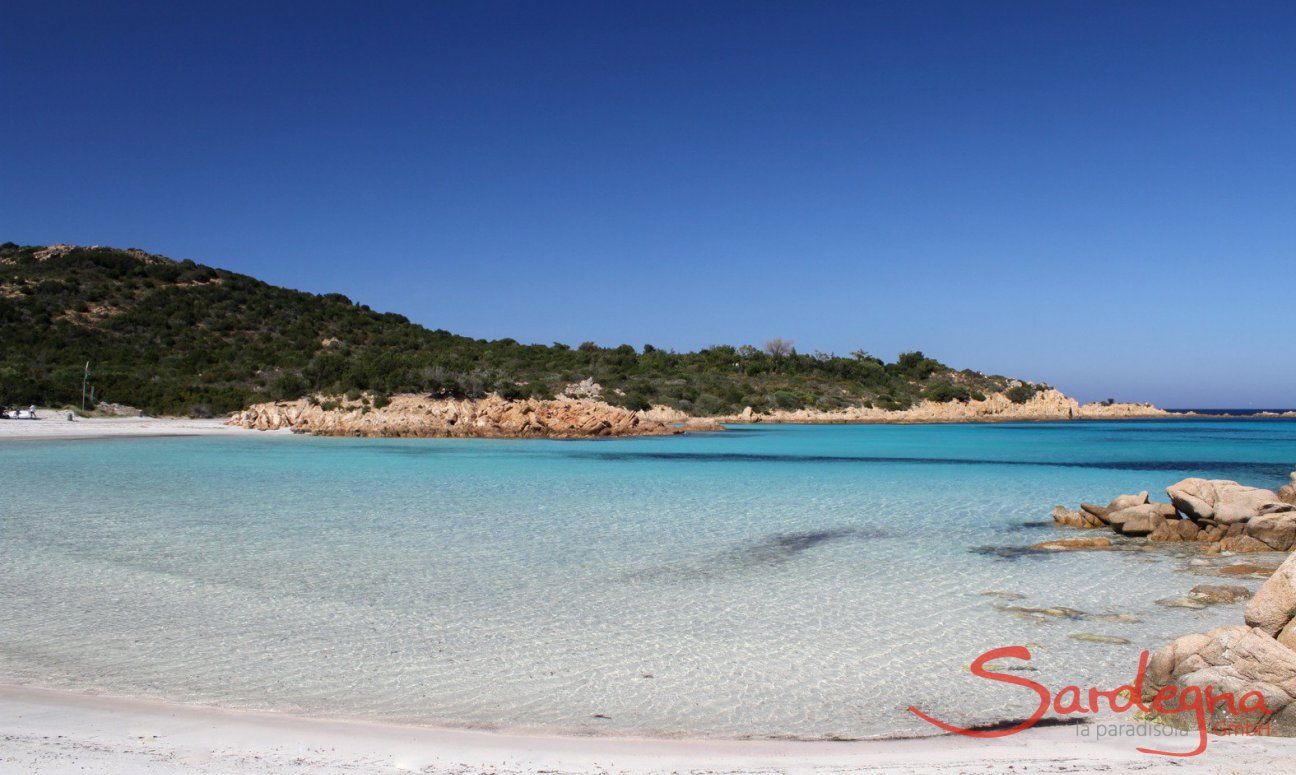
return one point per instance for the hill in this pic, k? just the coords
(177, 337)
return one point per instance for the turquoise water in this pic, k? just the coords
(801, 581)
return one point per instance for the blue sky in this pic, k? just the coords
(1098, 195)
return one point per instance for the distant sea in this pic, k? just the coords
(806, 581)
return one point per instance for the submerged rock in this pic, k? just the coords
(1187, 601)
(1057, 612)
(1074, 544)
(1241, 569)
(1091, 638)
(1212, 594)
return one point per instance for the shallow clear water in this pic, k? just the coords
(769, 581)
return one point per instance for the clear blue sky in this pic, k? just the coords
(1098, 195)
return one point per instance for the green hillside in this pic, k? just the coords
(175, 337)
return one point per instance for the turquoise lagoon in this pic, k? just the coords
(806, 581)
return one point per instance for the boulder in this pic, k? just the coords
(1100, 512)
(1139, 520)
(1276, 531)
(1243, 545)
(1288, 635)
(1064, 516)
(1230, 659)
(1274, 604)
(1287, 493)
(1188, 530)
(1121, 502)
(1223, 501)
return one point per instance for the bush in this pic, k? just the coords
(785, 399)
(945, 392)
(1021, 393)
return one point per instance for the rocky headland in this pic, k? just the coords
(1047, 404)
(412, 415)
(581, 413)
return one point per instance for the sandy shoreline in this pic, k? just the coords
(51, 731)
(54, 426)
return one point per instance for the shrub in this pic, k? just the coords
(785, 399)
(1021, 393)
(946, 392)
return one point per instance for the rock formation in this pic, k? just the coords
(586, 388)
(490, 417)
(1222, 515)
(1273, 608)
(1260, 656)
(1223, 501)
(1287, 493)
(1047, 404)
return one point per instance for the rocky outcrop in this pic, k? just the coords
(1259, 657)
(490, 417)
(1221, 515)
(1287, 493)
(1223, 501)
(1274, 606)
(62, 249)
(586, 388)
(1046, 404)
(1233, 659)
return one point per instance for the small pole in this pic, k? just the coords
(85, 378)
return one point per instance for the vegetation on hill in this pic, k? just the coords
(176, 337)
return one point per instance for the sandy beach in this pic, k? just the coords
(54, 425)
(51, 732)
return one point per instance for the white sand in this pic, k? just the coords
(54, 425)
(45, 731)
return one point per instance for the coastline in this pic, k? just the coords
(53, 426)
(415, 415)
(55, 731)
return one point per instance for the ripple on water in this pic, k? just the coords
(791, 581)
